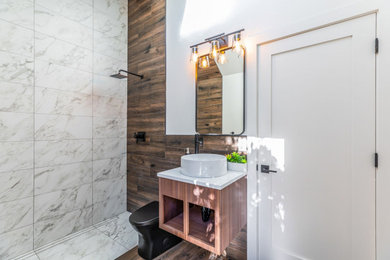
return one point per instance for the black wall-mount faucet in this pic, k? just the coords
(198, 142)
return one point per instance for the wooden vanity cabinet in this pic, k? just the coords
(180, 212)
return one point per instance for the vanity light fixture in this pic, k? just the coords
(204, 62)
(194, 56)
(218, 42)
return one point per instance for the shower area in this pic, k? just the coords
(62, 119)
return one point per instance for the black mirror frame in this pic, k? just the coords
(244, 97)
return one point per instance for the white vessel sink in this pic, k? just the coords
(203, 165)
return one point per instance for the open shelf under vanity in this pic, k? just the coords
(173, 213)
(181, 206)
(198, 229)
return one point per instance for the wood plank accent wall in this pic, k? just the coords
(146, 107)
(209, 102)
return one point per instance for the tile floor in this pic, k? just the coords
(106, 240)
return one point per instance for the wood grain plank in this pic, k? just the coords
(209, 99)
(202, 196)
(233, 211)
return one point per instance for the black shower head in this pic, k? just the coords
(121, 76)
(118, 76)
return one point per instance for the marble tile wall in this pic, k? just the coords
(62, 118)
(109, 109)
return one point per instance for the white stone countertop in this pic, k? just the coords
(218, 183)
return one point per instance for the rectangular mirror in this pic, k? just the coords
(220, 94)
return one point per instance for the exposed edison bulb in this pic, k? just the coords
(237, 44)
(222, 58)
(204, 62)
(194, 55)
(214, 49)
(239, 50)
(214, 53)
(237, 47)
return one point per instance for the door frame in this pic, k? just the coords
(252, 82)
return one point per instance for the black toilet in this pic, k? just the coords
(153, 241)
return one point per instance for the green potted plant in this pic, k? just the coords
(236, 162)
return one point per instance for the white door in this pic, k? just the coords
(317, 118)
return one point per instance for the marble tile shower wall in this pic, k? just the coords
(62, 118)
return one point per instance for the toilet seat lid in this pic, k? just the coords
(146, 215)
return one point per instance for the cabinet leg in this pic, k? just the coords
(218, 257)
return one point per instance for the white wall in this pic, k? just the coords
(192, 21)
(232, 103)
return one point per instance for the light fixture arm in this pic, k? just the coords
(216, 37)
